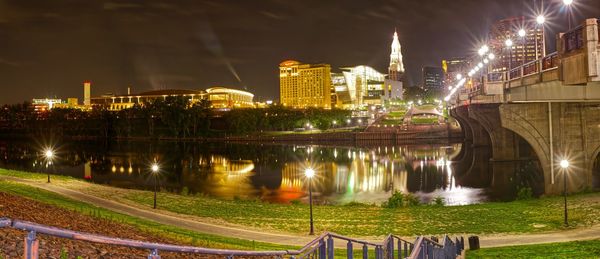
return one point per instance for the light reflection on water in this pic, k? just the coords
(270, 173)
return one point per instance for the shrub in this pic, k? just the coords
(439, 201)
(185, 191)
(295, 202)
(398, 200)
(524, 193)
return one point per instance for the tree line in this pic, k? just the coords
(172, 117)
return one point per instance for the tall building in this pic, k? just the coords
(396, 68)
(433, 77)
(305, 85)
(87, 89)
(524, 49)
(393, 85)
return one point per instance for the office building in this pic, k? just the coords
(305, 85)
(433, 77)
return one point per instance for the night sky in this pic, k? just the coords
(48, 48)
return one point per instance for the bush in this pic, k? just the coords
(398, 200)
(439, 201)
(524, 193)
(185, 191)
(295, 202)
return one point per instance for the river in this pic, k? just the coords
(272, 173)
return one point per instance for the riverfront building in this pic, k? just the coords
(305, 85)
(358, 86)
(219, 97)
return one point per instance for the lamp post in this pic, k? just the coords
(522, 35)
(540, 20)
(567, 4)
(49, 155)
(508, 43)
(564, 164)
(155, 170)
(310, 173)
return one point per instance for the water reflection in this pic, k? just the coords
(271, 173)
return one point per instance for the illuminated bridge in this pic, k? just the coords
(545, 111)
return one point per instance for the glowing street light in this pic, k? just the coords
(540, 19)
(491, 56)
(459, 77)
(522, 33)
(49, 156)
(155, 169)
(564, 164)
(508, 42)
(568, 3)
(310, 173)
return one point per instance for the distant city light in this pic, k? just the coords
(485, 61)
(480, 65)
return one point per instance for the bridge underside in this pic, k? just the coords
(509, 146)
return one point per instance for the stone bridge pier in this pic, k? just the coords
(556, 131)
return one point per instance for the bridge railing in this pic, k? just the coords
(322, 247)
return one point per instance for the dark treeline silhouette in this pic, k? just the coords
(172, 117)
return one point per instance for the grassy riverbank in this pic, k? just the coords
(528, 216)
(576, 249)
(155, 229)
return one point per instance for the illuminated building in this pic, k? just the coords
(304, 85)
(433, 77)
(87, 90)
(523, 50)
(393, 85)
(396, 68)
(219, 97)
(46, 104)
(358, 86)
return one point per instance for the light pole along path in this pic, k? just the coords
(195, 223)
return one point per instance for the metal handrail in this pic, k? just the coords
(59, 232)
(321, 247)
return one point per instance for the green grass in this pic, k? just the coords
(174, 233)
(536, 215)
(576, 249)
(418, 120)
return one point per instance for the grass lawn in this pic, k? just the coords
(576, 249)
(418, 120)
(185, 236)
(535, 215)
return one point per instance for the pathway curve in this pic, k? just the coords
(185, 222)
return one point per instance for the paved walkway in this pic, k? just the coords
(186, 222)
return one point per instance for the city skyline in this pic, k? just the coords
(49, 49)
